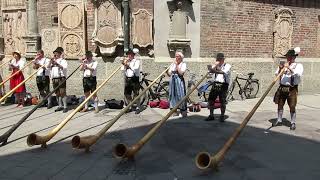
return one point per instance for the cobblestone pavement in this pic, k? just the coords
(261, 152)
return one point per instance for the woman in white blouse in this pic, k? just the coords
(16, 64)
(177, 88)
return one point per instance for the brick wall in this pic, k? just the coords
(245, 28)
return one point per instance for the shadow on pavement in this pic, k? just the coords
(170, 155)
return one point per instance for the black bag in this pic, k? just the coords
(72, 100)
(114, 104)
(10, 100)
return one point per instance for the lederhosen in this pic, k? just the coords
(56, 81)
(89, 83)
(43, 83)
(288, 93)
(218, 90)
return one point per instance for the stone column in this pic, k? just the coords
(1, 38)
(126, 27)
(33, 37)
(32, 18)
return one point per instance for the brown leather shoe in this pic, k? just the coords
(84, 110)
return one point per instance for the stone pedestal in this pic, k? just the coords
(32, 38)
(178, 40)
(33, 45)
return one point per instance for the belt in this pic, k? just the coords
(58, 78)
(281, 85)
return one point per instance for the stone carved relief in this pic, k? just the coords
(15, 27)
(72, 44)
(108, 33)
(142, 28)
(72, 28)
(283, 28)
(49, 40)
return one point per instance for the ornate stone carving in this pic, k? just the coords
(142, 28)
(178, 26)
(283, 28)
(15, 26)
(49, 40)
(72, 44)
(108, 32)
(72, 28)
(13, 4)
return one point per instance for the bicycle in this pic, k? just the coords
(158, 91)
(203, 90)
(250, 88)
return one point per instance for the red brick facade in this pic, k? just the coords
(238, 28)
(245, 28)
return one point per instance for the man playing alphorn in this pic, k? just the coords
(288, 89)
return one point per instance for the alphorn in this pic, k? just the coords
(8, 78)
(4, 63)
(20, 84)
(204, 160)
(34, 139)
(6, 135)
(86, 142)
(122, 151)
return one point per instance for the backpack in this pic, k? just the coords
(72, 100)
(114, 104)
(164, 104)
(154, 104)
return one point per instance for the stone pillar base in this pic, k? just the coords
(33, 45)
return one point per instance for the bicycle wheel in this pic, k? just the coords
(230, 91)
(251, 89)
(164, 90)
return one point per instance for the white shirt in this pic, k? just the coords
(133, 69)
(20, 64)
(286, 77)
(227, 73)
(182, 66)
(56, 71)
(87, 72)
(44, 61)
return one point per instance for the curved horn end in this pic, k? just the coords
(83, 142)
(34, 139)
(120, 151)
(203, 160)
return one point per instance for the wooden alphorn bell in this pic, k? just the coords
(122, 151)
(204, 160)
(34, 139)
(86, 142)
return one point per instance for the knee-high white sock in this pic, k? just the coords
(96, 102)
(293, 117)
(49, 100)
(60, 101)
(86, 105)
(280, 113)
(64, 99)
